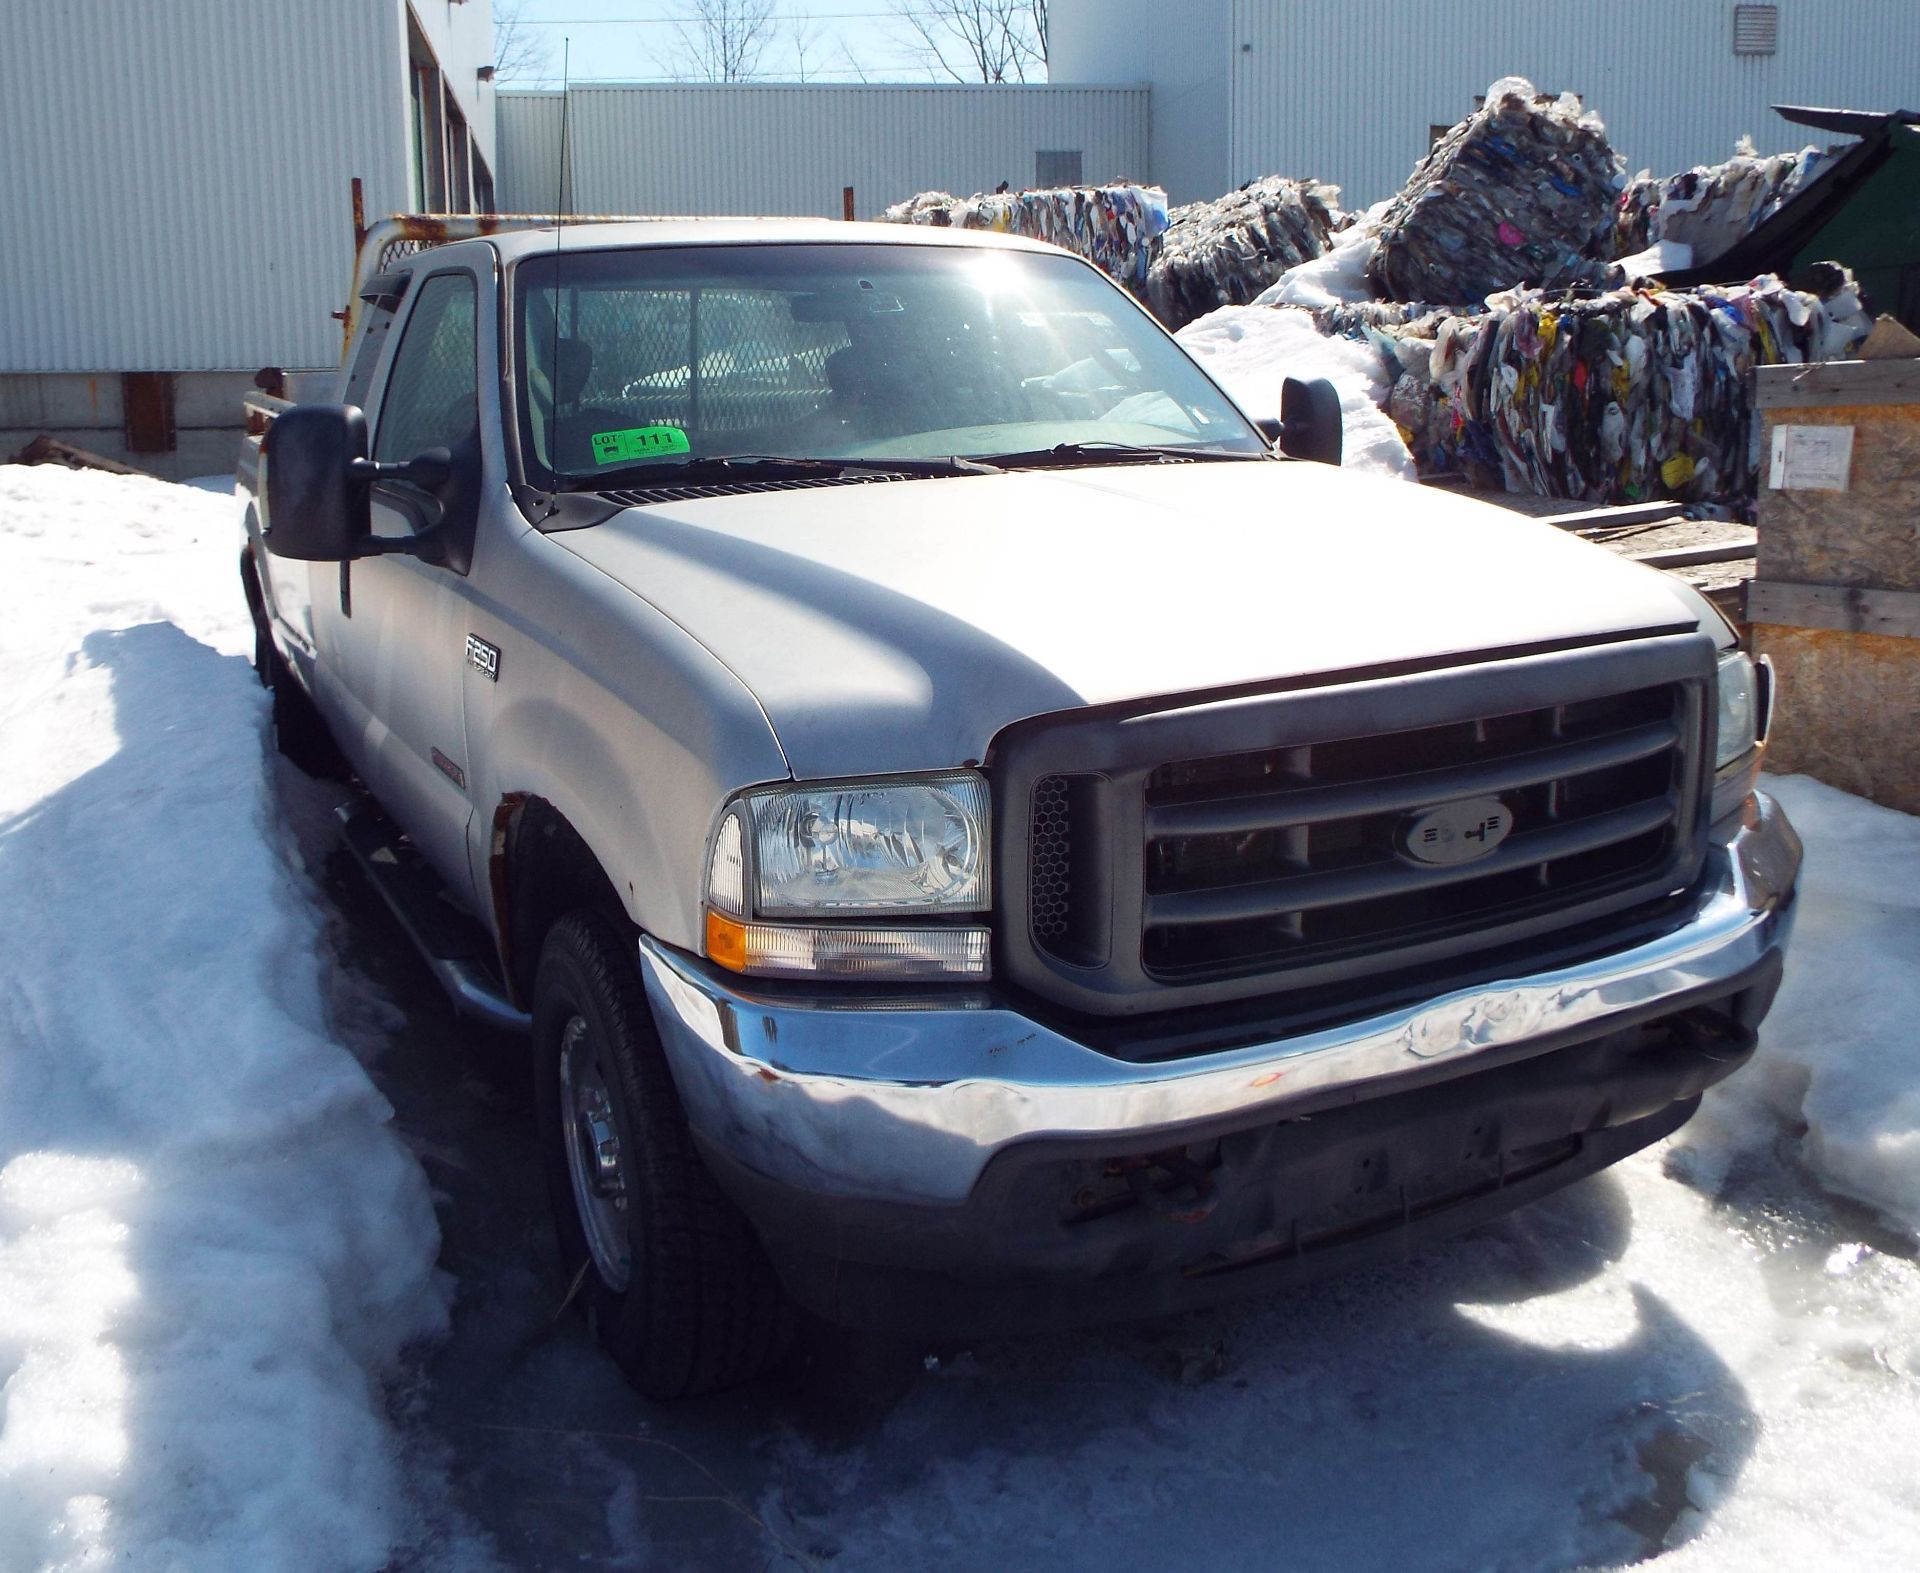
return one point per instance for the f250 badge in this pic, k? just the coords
(1457, 832)
(484, 658)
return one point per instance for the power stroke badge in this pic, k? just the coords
(1456, 832)
(484, 658)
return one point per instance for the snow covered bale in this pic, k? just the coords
(1523, 191)
(211, 1242)
(1225, 252)
(1251, 350)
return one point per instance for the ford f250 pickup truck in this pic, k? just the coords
(975, 832)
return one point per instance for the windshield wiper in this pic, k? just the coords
(1064, 454)
(738, 466)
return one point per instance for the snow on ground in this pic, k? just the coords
(211, 1243)
(1250, 350)
(1843, 1042)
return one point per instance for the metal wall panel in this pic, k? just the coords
(527, 126)
(176, 178)
(1345, 90)
(790, 149)
(1185, 52)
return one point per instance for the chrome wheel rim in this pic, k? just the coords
(596, 1159)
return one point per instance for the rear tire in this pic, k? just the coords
(674, 1282)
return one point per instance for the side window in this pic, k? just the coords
(430, 400)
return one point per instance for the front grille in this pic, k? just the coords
(1263, 845)
(1257, 860)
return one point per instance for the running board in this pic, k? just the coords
(451, 943)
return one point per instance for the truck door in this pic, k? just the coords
(399, 625)
(293, 587)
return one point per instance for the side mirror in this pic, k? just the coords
(1310, 426)
(316, 502)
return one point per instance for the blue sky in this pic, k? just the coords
(637, 40)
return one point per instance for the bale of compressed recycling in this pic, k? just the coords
(1225, 252)
(1113, 227)
(1619, 395)
(1523, 190)
(1711, 207)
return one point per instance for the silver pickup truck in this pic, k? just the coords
(977, 833)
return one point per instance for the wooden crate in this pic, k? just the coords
(1836, 597)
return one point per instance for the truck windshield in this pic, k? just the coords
(861, 353)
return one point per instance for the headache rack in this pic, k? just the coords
(1262, 845)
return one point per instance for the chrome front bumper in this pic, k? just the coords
(907, 1101)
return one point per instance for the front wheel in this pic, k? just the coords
(675, 1284)
(299, 730)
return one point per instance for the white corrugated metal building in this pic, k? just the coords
(793, 148)
(177, 185)
(1352, 91)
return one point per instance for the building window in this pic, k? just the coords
(1756, 29)
(459, 161)
(1056, 167)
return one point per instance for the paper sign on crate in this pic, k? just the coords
(1811, 458)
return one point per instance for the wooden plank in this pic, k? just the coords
(1688, 556)
(1894, 613)
(1827, 384)
(1616, 518)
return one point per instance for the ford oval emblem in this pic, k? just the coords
(1456, 832)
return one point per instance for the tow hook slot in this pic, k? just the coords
(1714, 1034)
(1190, 1197)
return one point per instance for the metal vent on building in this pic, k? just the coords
(1055, 167)
(1756, 29)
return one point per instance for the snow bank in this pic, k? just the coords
(1841, 1050)
(210, 1242)
(1251, 349)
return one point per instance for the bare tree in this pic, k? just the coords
(1041, 28)
(723, 40)
(804, 35)
(979, 40)
(519, 48)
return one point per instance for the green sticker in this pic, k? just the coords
(638, 442)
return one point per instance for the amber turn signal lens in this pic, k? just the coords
(727, 941)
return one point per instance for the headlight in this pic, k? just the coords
(1745, 696)
(1738, 726)
(862, 853)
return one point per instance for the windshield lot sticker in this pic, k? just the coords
(638, 442)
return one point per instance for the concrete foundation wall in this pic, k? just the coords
(86, 410)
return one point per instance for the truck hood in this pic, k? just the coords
(899, 625)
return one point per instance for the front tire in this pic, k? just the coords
(299, 730)
(675, 1284)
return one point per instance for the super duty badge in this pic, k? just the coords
(483, 657)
